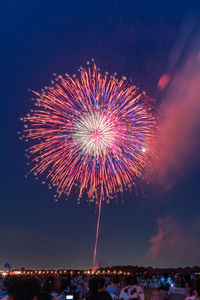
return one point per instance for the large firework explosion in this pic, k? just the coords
(95, 132)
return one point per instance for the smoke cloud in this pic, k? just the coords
(173, 244)
(179, 141)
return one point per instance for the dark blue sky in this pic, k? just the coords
(39, 38)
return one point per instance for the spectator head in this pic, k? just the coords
(68, 281)
(197, 287)
(101, 281)
(116, 280)
(93, 285)
(61, 285)
(28, 288)
(165, 275)
(131, 280)
(10, 284)
(178, 280)
(49, 284)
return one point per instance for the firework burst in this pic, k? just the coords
(95, 131)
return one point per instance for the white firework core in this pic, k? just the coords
(95, 133)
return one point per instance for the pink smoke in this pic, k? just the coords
(174, 244)
(179, 142)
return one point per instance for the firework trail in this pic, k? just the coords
(95, 132)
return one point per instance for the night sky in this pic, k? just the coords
(133, 38)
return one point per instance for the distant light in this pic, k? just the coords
(143, 149)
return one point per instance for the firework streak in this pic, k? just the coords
(96, 132)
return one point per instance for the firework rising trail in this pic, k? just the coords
(96, 132)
